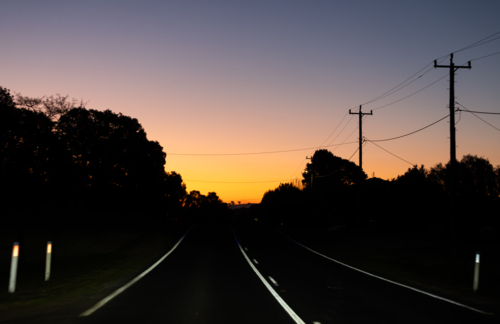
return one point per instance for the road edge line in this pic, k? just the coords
(393, 282)
(130, 283)
(280, 300)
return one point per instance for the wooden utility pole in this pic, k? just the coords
(361, 114)
(360, 185)
(453, 68)
(453, 145)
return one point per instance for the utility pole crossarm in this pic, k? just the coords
(454, 66)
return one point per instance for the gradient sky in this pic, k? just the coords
(210, 77)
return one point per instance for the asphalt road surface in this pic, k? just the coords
(208, 279)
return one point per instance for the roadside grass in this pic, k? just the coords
(415, 260)
(84, 265)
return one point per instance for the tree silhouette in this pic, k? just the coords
(28, 156)
(419, 203)
(52, 107)
(6, 99)
(174, 190)
(111, 149)
(476, 177)
(331, 172)
(284, 205)
(54, 151)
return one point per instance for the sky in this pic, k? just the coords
(222, 78)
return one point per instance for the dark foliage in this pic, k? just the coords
(81, 164)
(284, 206)
(205, 209)
(340, 196)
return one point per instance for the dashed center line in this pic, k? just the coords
(285, 306)
(255, 261)
(273, 281)
(246, 249)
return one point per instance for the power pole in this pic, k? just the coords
(453, 68)
(453, 145)
(361, 114)
(360, 185)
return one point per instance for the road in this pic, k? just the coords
(207, 279)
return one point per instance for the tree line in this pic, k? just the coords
(55, 152)
(336, 194)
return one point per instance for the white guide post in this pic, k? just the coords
(48, 260)
(476, 273)
(13, 267)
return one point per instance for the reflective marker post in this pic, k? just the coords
(476, 273)
(47, 260)
(13, 267)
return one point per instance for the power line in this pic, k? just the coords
(482, 57)
(403, 85)
(342, 129)
(478, 116)
(476, 43)
(391, 92)
(334, 130)
(257, 153)
(478, 112)
(397, 88)
(301, 163)
(392, 103)
(390, 152)
(387, 93)
(242, 182)
(418, 130)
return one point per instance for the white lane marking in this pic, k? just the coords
(394, 282)
(255, 261)
(120, 290)
(273, 281)
(316, 322)
(246, 249)
(283, 304)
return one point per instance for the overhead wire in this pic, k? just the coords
(476, 43)
(482, 57)
(478, 112)
(301, 163)
(418, 130)
(400, 86)
(459, 116)
(392, 103)
(477, 116)
(342, 131)
(389, 152)
(333, 131)
(257, 153)
(387, 93)
(234, 182)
